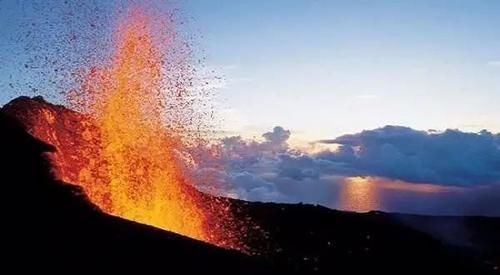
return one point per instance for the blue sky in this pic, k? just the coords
(324, 68)
(327, 68)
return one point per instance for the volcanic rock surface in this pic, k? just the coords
(50, 224)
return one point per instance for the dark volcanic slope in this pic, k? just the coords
(317, 240)
(52, 224)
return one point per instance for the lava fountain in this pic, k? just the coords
(127, 147)
(147, 183)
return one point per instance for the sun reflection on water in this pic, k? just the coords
(359, 194)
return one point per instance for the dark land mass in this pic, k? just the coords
(51, 225)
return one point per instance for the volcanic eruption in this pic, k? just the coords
(128, 144)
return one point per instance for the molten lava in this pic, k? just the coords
(128, 150)
(147, 183)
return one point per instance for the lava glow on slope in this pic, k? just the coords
(129, 153)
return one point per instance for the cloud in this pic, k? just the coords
(448, 158)
(393, 158)
(254, 188)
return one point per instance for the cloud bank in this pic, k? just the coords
(270, 170)
(448, 158)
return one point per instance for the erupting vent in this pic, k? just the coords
(128, 148)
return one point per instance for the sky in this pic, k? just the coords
(326, 68)
(339, 72)
(348, 102)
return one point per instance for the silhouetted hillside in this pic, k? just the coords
(315, 239)
(51, 224)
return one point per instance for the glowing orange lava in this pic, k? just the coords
(126, 155)
(146, 182)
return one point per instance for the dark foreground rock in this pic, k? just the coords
(50, 225)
